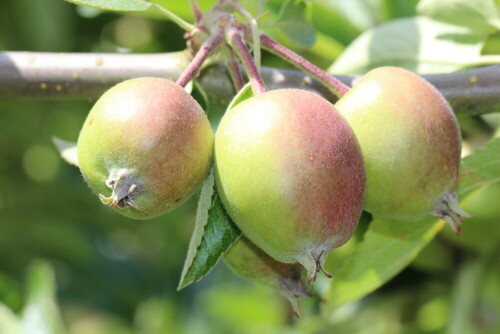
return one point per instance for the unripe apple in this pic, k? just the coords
(291, 175)
(250, 262)
(411, 145)
(145, 147)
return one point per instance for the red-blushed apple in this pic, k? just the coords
(290, 173)
(411, 145)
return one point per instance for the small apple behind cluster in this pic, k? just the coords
(252, 263)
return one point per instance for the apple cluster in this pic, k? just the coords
(294, 171)
(292, 168)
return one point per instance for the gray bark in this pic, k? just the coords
(87, 75)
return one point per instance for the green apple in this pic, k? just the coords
(145, 147)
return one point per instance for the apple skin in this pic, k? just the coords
(290, 173)
(150, 133)
(411, 144)
(250, 262)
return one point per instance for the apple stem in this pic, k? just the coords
(205, 50)
(333, 84)
(195, 8)
(234, 71)
(235, 39)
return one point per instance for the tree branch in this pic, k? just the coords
(88, 75)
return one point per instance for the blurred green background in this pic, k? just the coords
(115, 275)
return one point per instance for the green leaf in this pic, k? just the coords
(417, 44)
(67, 150)
(9, 323)
(480, 15)
(119, 5)
(480, 168)
(213, 234)
(41, 314)
(360, 13)
(294, 20)
(481, 233)
(140, 6)
(389, 246)
(341, 20)
(182, 8)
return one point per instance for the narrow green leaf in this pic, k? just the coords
(417, 44)
(242, 95)
(41, 314)
(213, 234)
(389, 246)
(118, 5)
(480, 15)
(9, 323)
(67, 150)
(465, 295)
